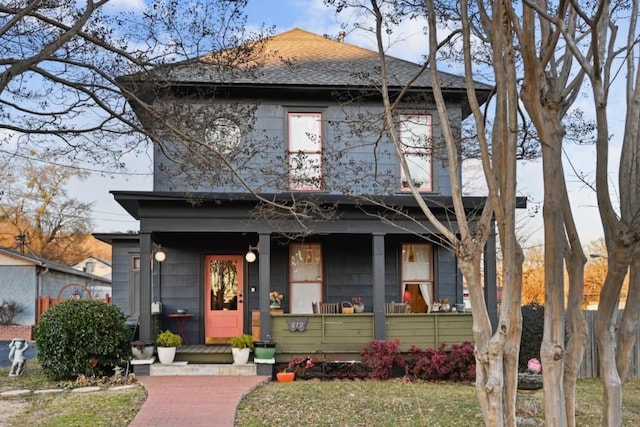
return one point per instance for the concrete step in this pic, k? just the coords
(201, 369)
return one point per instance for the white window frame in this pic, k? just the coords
(305, 276)
(305, 150)
(416, 132)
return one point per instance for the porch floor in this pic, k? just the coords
(204, 353)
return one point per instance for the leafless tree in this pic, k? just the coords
(38, 215)
(59, 63)
(496, 350)
(600, 61)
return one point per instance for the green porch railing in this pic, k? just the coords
(350, 333)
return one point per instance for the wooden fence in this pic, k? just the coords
(590, 362)
(46, 302)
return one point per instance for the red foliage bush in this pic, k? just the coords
(379, 357)
(456, 363)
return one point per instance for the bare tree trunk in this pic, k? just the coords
(576, 325)
(606, 335)
(627, 330)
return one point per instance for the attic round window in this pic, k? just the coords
(224, 134)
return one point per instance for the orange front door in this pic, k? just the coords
(223, 298)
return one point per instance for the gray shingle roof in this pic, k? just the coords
(301, 58)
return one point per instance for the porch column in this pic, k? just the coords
(264, 284)
(379, 320)
(144, 310)
(490, 287)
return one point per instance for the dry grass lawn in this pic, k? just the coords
(301, 403)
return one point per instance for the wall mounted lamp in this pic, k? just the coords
(160, 255)
(251, 256)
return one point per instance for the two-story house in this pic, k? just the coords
(303, 130)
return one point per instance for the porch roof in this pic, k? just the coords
(131, 201)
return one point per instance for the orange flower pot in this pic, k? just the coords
(285, 377)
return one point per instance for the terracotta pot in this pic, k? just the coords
(285, 377)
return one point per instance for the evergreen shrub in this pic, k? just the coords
(82, 337)
(532, 330)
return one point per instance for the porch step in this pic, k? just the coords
(185, 369)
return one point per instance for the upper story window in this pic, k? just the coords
(224, 134)
(305, 151)
(415, 136)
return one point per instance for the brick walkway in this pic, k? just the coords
(193, 400)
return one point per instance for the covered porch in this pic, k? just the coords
(361, 255)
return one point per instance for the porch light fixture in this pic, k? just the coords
(159, 255)
(251, 256)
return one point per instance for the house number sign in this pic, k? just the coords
(297, 325)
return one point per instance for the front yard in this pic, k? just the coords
(394, 402)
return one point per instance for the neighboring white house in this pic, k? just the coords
(24, 278)
(96, 266)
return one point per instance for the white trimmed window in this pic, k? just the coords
(305, 276)
(415, 136)
(305, 151)
(417, 276)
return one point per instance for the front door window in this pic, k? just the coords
(224, 285)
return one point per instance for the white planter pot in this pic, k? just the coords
(145, 353)
(240, 355)
(166, 354)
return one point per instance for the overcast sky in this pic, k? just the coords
(408, 43)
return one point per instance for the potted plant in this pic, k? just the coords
(142, 350)
(275, 299)
(301, 364)
(358, 304)
(285, 376)
(167, 343)
(264, 349)
(241, 346)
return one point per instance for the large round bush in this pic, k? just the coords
(81, 337)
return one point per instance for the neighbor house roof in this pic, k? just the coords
(29, 259)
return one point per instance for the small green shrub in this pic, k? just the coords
(242, 341)
(168, 339)
(82, 337)
(532, 330)
(380, 357)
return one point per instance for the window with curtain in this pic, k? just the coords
(305, 151)
(305, 276)
(417, 276)
(415, 136)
